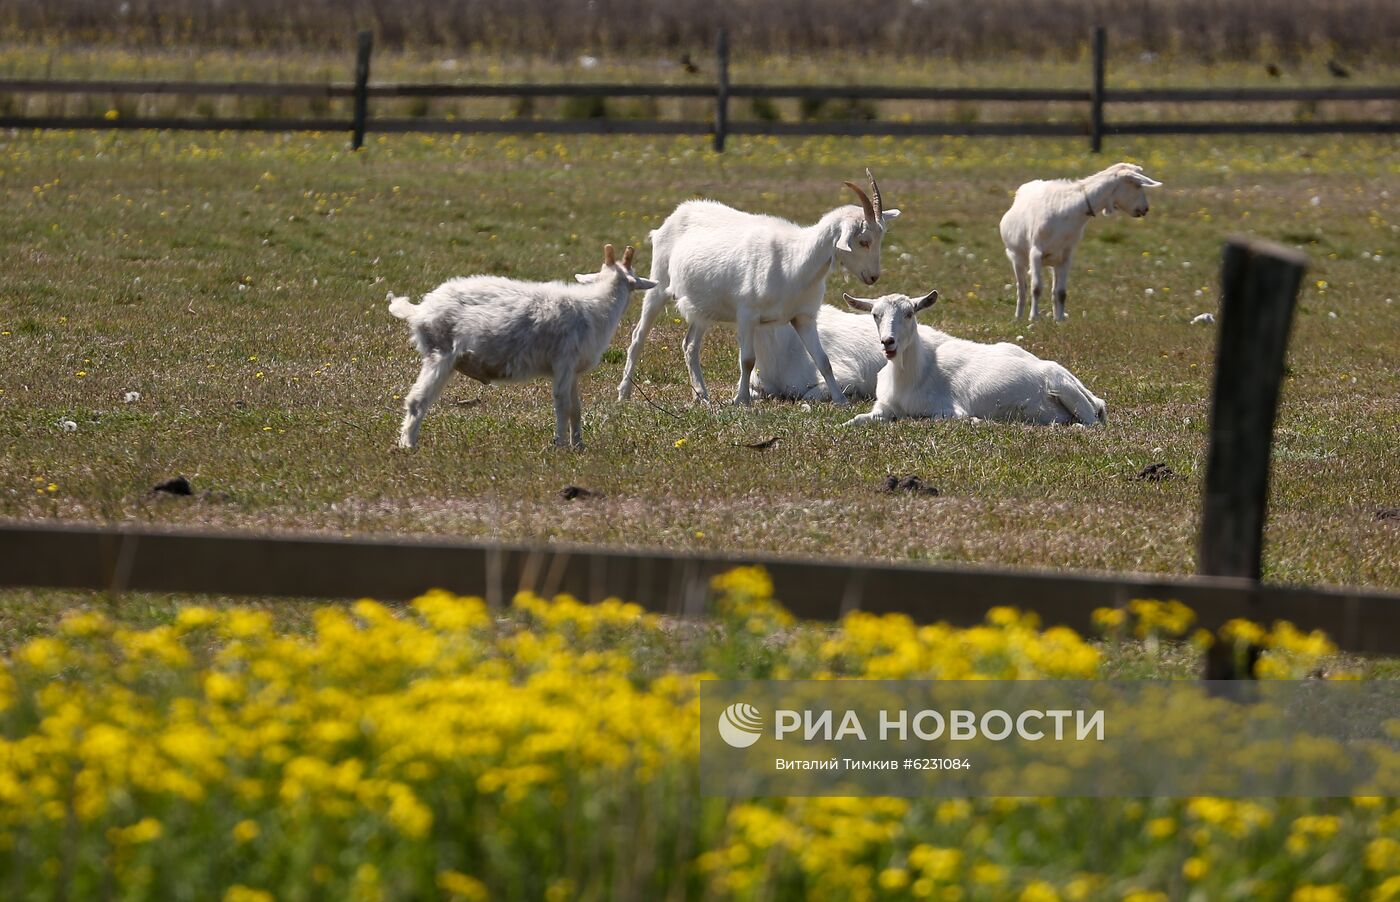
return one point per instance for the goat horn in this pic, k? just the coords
(627, 256)
(864, 200)
(875, 195)
(609, 257)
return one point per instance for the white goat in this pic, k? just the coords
(784, 369)
(724, 265)
(1047, 219)
(932, 374)
(503, 330)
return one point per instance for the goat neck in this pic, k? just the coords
(1098, 189)
(818, 255)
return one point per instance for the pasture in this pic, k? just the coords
(238, 283)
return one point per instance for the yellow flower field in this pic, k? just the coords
(442, 750)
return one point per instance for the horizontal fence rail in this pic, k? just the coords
(124, 558)
(1094, 125)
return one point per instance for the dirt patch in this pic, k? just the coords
(911, 485)
(1154, 473)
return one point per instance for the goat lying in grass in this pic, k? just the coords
(503, 330)
(931, 374)
(784, 369)
(1047, 219)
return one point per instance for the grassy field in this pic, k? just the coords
(237, 283)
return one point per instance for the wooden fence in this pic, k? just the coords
(139, 558)
(1095, 99)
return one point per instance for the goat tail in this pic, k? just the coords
(401, 307)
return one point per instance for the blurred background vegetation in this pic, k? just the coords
(1204, 30)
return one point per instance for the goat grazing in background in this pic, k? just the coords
(931, 374)
(1047, 219)
(503, 330)
(724, 265)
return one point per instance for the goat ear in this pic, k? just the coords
(586, 277)
(926, 301)
(888, 216)
(858, 303)
(843, 240)
(1145, 181)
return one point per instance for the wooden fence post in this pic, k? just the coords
(1096, 93)
(721, 89)
(1259, 285)
(366, 41)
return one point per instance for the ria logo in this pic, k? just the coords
(740, 725)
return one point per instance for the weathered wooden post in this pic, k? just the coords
(1096, 93)
(1259, 285)
(366, 41)
(721, 89)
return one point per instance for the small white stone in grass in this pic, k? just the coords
(906, 257)
(1185, 264)
(1316, 201)
(1007, 287)
(1205, 318)
(1331, 314)
(806, 408)
(131, 397)
(1020, 338)
(588, 62)
(136, 281)
(242, 287)
(1199, 292)
(67, 425)
(1150, 292)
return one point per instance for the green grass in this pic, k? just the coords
(238, 282)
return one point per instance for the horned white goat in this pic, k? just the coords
(724, 265)
(503, 330)
(784, 369)
(932, 374)
(1047, 219)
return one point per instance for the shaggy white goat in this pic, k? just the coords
(784, 369)
(932, 374)
(1047, 219)
(503, 330)
(724, 265)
